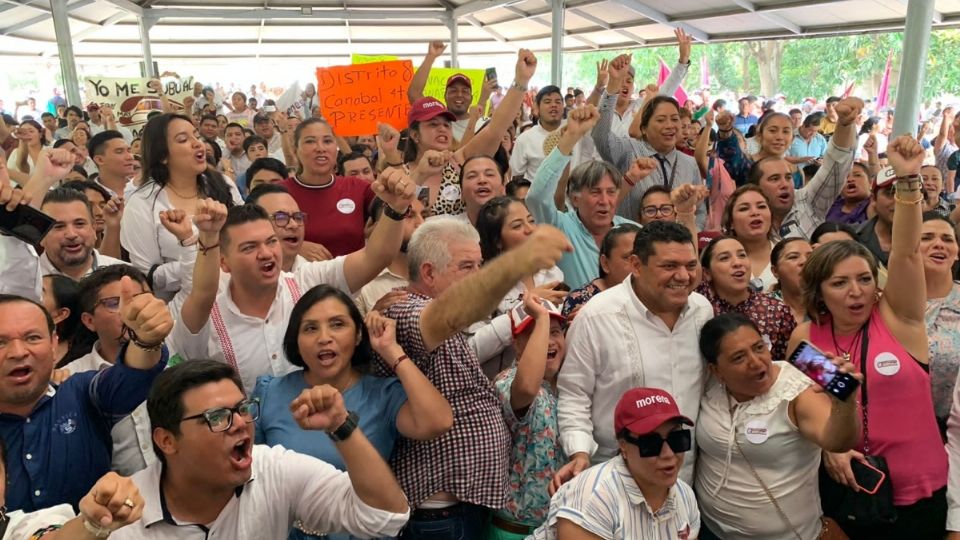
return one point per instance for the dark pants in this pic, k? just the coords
(459, 522)
(925, 519)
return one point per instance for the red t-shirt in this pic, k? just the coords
(335, 214)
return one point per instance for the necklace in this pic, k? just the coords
(177, 193)
(845, 354)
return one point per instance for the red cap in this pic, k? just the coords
(460, 78)
(643, 410)
(884, 178)
(93, 107)
(520, 320)
(428, 108)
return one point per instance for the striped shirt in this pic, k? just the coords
(605, 501)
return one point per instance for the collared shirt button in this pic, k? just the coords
(36, 493)
(29, 457)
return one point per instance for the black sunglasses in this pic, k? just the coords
(651, 444)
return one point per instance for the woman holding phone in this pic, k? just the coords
(763, 423)
(886, 338)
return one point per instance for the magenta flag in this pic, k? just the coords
(883, 96)
(849, 90)
(680, 95)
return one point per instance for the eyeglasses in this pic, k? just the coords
(111, 303)
(650, 445)
(665, 210)
(281, 219)
(221, 419)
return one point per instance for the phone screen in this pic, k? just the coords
(818, 367)
(26, 223)
(491, 74)
(867, 477)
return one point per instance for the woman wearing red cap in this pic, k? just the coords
(429, 154)
(636, 494)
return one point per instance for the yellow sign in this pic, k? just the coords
(368, 59)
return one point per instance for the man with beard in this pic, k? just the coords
(60, 435)
(243, 322)
(397, 273)
(459, 93)
(528, 150)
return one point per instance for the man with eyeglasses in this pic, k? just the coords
(655, 205)
(211, 481)
(60, 434)
(637, 493)
(243, 322)
(287, 219)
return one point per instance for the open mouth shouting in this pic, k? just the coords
(20, 375)
(241, 455)
(269, 268)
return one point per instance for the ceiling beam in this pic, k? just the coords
(607, 26)
(126, 5)
(537, 19)
(91, 31)
(660, 17)
(275, 13)
(43, 17)
(769, 17)
(480, 5)
(492, 33)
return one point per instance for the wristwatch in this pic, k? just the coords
(346, 428)
(393, 214)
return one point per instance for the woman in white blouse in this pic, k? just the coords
(761, 429)
(22, 159)
(176, 176)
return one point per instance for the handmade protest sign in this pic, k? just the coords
(355, 98)
(131, 99)
(369, 59)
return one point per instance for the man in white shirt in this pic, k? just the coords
(210, 130)
(528, 150)
(212, 482)
(397, 273)
(115, 163)
(287, 219)
(244, 324)
(264, 127)
(74, 115)
(458, 96)
(643, 332)
(99, 301)
(234, 136)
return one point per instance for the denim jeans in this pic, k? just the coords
(466, 522)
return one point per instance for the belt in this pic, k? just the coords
(511, 526)
(436, 514)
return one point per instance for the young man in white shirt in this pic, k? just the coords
(115, 163)
(234, 136)
(642, 332)
(637, 493)
(264, 127)
(244, 324)
(528, 150)
(213, 482)
(210, 130)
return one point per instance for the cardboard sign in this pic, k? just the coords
(132, 101)
(437, 82)
(371, 59)
(355, 98)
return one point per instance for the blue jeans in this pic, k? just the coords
(461, 522)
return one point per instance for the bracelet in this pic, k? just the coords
(914, 176)
(190, 241)
(394, 164)
(147, 347)
(393, 214)
(397, 363)
(95, 529)
(204, 249)
(518, 86)
(911, 203)
(630, 182)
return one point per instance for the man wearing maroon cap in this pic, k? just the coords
(459, 94)
(637, 494)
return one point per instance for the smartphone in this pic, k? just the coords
(815, 364)
(491, 74)
(26, 223)
(868, 477)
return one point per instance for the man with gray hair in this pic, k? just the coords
(453, 481)
(593, 191)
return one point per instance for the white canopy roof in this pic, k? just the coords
(108, 29)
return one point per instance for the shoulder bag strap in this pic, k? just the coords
(766, 490)
(864, 368)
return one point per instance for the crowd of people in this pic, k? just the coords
(532, 313)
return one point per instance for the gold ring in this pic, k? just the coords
(129, 503)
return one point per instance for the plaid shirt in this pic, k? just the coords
(471, 460)
(812, 201)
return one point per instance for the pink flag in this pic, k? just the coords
(680, 95)
(883, 95)
(704, 72)
(846, 93)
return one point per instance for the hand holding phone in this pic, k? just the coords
(19, 220)
(824, 371)
(491, 74)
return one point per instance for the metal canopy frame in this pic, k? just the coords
(633, 23)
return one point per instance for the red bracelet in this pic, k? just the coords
(397, 363)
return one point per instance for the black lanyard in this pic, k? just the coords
(663, 170)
